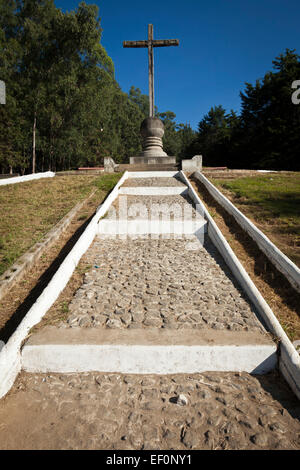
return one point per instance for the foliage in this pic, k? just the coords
(107, 182)
(266, 134)
(64, 108)
(178, 139)
(62, 94)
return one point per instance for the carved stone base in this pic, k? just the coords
(152, 131)
(153, 160)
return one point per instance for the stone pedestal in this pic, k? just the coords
(152, 131)
(152, 160)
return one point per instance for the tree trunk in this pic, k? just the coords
(33, 143)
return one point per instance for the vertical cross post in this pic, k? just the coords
(151, 70)
(150, 44)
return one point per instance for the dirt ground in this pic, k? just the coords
(219, 411)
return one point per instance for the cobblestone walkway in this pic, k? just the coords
(158, 182)
(113, 411)
(175, 207)
(159, 283)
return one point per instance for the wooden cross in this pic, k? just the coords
(150, 44)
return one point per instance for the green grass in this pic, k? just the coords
(64, 307)
(107, 182)
(29, 210)
(277, 196)
(272, 200)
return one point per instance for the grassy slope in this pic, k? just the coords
(29, 210)
(273, 203)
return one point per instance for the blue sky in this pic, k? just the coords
(223, 44)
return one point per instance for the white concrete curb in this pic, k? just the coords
(145, 359)
(10, 356)
(289, 360)
(23, 179)
(153, 191)
(146, 226)
(152, 174)
(280, 260)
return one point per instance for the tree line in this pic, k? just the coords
(266, 133)
(64, 108)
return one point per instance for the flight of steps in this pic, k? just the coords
(159, 299)
(139, 167)
(158, 348)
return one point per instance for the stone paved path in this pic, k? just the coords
(113, 411)
(146, 182)
(160, 283)
(175, 207)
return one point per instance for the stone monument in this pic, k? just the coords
(152, 128)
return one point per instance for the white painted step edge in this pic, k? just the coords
(149, 226)
(152, 174)
(153, 190)
(279, 259)
(289, 360)
(23, 179)
(145, 359)
(10, 355)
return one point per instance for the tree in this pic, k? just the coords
(64, 106)
(214, 135)
(142, 101)
(186, 138)
(266, 134)
(269, 120)
(170, 139)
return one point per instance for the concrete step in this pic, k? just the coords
(153, 191)
(141, 226)
(153, 210)
(139, 167)
(156, 185)
(147, 351)
(166, 305)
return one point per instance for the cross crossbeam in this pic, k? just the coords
(155, 43)
(150, 43)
